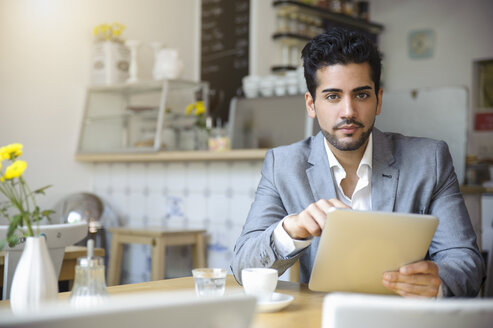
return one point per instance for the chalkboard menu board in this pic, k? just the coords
(224, 51)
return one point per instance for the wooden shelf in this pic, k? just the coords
(290, 38)
(173, 156)
(282, 69)
(329, 15)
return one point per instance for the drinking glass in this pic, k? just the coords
(209, 281)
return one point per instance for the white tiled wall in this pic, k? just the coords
(212, 195)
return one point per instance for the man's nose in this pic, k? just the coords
(348, 110)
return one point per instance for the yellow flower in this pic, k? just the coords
(189, 109)
(199, 108)
(111, 32)
(15, 169)
(11, 151)
(117, 29)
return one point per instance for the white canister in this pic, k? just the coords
(251, 86)
(168, 65)
(280, 86)
(110, 63)
(292, 85)
(267, 86)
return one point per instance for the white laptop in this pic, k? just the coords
(342, 310)
(357, 247)
(149, 310)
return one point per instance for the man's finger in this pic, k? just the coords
(312, 226)
(411, 289)
(426, 267)
(415, 279)
(337, 203)
(325, 205)
(317, 214)
(406, 294)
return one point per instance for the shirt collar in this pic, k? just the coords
(367, 156)
(339, 172)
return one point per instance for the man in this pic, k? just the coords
(351, 164)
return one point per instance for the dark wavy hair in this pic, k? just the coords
(339, 46)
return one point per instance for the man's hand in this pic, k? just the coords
(419, 279)
(311, 220)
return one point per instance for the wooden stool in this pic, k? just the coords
(158, 238)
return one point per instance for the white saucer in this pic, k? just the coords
(278, 301)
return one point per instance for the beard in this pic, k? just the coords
(348, 146)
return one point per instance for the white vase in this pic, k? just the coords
(35, 281)
(110, 63)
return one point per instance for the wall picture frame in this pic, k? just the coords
(421, 44)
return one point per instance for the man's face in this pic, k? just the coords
(345, 104)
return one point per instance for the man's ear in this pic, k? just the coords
(310, 105)
(379, 99)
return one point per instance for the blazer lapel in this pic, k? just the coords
(384, 176)
(319, 175)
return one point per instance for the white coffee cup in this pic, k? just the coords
(259, 282)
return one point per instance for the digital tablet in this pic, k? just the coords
(357, 247)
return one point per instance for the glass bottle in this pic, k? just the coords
(302, 25)
(336, 6)
(90, 286)
(294, 23)
(219, 140)
(282, 22)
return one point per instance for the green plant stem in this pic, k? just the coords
(25, 218)
(10, 194)
(16, 198)
(4, 191)
(27, 195)
(3, 213)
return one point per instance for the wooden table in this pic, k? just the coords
(158, 238)
(67, 272)
(305, 310)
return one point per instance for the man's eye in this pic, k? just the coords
(332, 97)
(362, 96)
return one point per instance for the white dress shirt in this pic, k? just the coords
(360, 200)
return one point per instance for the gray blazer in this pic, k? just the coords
(409, 175)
